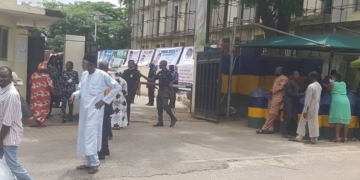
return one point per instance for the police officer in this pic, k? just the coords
(165, 92)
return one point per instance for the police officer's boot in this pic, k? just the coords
(173, 118)
(160, 121)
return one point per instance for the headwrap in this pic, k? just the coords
(42, 67)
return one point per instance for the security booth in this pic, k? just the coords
(331, 43)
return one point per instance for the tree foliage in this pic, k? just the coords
(113, 27)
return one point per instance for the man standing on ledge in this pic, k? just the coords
(165, 92)
(275, 101)
(10, 124)
(94, 83)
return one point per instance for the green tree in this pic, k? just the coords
(112, 30)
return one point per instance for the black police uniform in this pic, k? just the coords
(132, 78)
(162, 99)
(151, 88)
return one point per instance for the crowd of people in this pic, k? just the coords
(285, 94)
(105, 104)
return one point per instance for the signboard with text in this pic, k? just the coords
(186, 65)
(171, 55)
(145, 57)
(132, 55)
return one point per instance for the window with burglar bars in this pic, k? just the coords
(4, 38)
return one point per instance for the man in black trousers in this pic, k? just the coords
(108, 111)
(132, 78)
(151, 88)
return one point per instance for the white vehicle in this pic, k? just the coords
(5, 172)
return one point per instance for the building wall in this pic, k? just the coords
(15, 34)
(148, 37)
(74, 51)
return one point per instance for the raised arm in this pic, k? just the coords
(290, 90)
(148, 79)
(280, 85)
(115, 89)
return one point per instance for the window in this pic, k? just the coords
(357, 4)
(176, 45)
(142, 25)
(176, 19)
(4, 38)
(158, 24)
(162, 45)
(182, 44)
(158, 45)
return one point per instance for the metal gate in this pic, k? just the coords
(208, 85)
(92, 48)
(36, 55)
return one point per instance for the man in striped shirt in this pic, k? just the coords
(10, 124)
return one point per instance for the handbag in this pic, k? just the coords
(25, 108)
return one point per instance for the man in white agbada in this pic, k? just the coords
(310, 111)
(94, 83)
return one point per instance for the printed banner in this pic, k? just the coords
(186, 73)
(145, 57)
(132, 55)
(171, 55)
(118, 58)
(187, 56)
(105, 55)
(115, 57)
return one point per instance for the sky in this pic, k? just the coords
(34, 2)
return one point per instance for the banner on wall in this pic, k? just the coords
(186, 73)
(145, 57)
(171, 55)
(133, 54)
(118, 59)
(105, 55)
(187, 56)
(115, 57)
(186, 65)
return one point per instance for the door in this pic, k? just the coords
(36, 55)
(208, 85)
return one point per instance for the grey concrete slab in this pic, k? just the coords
(193, 149)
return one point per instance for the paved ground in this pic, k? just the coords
(193, 149)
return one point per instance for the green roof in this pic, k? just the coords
(355, 64)
(332, 42)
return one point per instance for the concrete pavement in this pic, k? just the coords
(193, 149)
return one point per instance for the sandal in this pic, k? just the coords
(344, 140)
(286, 136)
(82, 167)
(93, 170)
(336, 140)
(264, 132)
(294, 139)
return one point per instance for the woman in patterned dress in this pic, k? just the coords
(69, 79)
(41, 90)
(119, 119)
